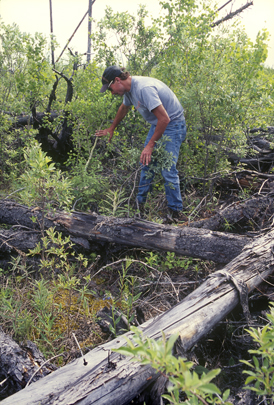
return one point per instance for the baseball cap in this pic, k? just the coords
(109, 75)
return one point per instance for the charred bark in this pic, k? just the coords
(63, 141)
(253, 209)
(28, 119)
(56, 144)
(85, 229)
(18, 363)
(261, 154)
(52, 96)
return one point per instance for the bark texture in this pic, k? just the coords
(18, 363)
(88, 228)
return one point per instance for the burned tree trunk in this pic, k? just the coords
(19, 363)
(88, 228)
(57, 143)
(63, 141)
(29, 120)
(111, 379)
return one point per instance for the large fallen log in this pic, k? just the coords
(88, 228)
(249, 210)
(108, 378)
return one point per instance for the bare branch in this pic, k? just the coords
(231, 15)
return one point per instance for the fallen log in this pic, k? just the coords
(87, 228)
(249, 210)
(109, 378)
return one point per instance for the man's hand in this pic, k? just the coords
(145, 157)
(163, 121)
(104, 132)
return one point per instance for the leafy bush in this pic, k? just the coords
(158, 354)
(42, 183)
(261, 376)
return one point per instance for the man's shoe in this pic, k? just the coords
(176, 216)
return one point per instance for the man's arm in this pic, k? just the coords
(162, 123)
(121, 113)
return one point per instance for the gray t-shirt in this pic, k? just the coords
(147, 93)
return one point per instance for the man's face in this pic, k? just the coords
(117, 88)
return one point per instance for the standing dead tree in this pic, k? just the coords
(232, 14)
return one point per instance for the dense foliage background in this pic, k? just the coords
(217, 73)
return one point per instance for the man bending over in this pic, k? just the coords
(160, 107)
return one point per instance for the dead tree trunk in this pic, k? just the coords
(19, 363)
(115, 380)
(87, 228)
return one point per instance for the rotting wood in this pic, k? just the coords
(88, 228)
(115, 380)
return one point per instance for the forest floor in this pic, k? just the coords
(168, 279)
(142, 284)
(176, 277)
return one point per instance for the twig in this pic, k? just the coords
(199, 397)
(91, 153)
(123, 260)
(239, 185)
(168, 283)
(173, 286)
(82, 354)
(3, 382)
(16, 191)
(220, 8)
(134, 185)
(231, 15)
(74, 205)
(198, 206)
(42, 365)
(259, 192)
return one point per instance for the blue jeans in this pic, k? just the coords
(176, 131)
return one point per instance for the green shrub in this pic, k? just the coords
(261, 376)
(158, 354)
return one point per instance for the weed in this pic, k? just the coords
(113, 204)
(172, 261)
(127, 292)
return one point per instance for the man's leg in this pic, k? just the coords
(176, 131)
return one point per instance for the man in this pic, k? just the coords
(160, 107)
